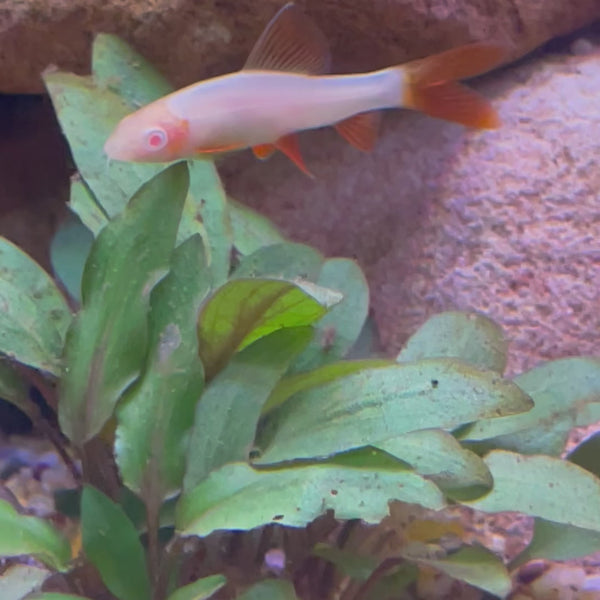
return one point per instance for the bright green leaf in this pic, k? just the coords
(557, 541)
(542, 486)
(157, 412)
(21, 534)
(468, 336)
(239, 497)
(228, 412)
(374, 405)
(106, 345)
(244, 310)
(292, 384)
(339, 329)
(250, 229)
(111, 543)
(476, 566)
(68, 251)
(17, 581)
(566, 393)
(201, 589)
(285, 260)
(436, 454)
(270, 589)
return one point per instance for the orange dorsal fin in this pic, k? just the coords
(431, 85)
(454, 102)
(288, 144)
(360, 130)
(456, 64)
(290, 42)
(263, 151)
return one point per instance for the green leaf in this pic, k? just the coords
(201, 589)
(69, 249)
(55, 596)
(156, 414)
(476, 566)
(13, 388)
(244, 310)
(21, 534)
(106, 345)
(370, 406)
(292, 384)
(587, 454)
(468, 336)
(270, 589)
(339, 329)
(17, 581)
(557, 541)
(85, 206)
(436, 454)
(240, 497)
(542, 486)
(111, 543)
(566, 394)
(285, 260)
(228, 412)
(34, 316)
(354, 565)
(251, 231)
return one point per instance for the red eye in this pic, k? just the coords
(156, 139)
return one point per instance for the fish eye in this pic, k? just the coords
(156, 139)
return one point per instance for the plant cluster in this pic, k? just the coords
(197, 366)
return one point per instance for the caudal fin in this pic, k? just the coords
(432, 88)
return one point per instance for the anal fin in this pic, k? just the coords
(360, 130)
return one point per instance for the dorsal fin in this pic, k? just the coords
(290, 42)
(360, 130)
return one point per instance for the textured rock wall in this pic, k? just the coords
(192, 39)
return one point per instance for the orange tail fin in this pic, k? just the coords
(432, 85)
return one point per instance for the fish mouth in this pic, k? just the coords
(114, 150)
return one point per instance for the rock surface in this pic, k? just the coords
(192, 39)
(504, 222)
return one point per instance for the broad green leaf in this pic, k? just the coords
(468, 336)
(157, 412)
(244, 310)
(357, 566)
(557, 541)
(250, 229)
(542, 486)
(476, 566)
(436, 454)
(201, 589)
(21, 534)
(13, 388)
(374, 405)
(84, 205)
(270, 589)
(228, 412)
(566, 394)
(34, 316)
(17, 581)
(285, 260)
(106, 345)
(292, 384)
(587, 454)
(111, 543)
(118, 66)
(69, 249)
(339, 329)
(240, 497)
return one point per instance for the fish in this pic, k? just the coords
(286, 87)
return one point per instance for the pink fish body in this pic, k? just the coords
(281, 91)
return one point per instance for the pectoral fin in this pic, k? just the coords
(289, 146)
(290, 42)
(263, 151)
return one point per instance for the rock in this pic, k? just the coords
(504, 222)
(192, 39)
